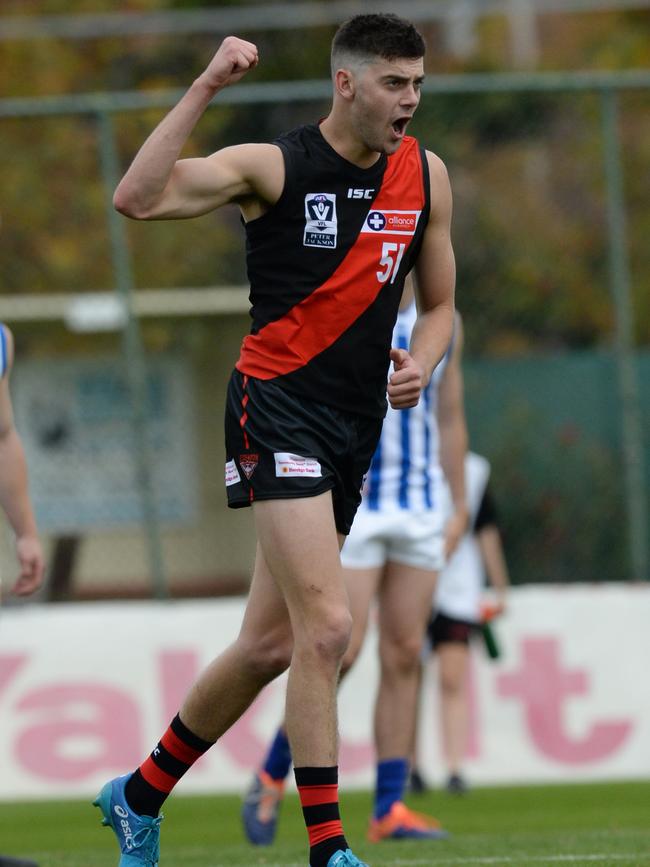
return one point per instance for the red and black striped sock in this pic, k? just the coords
(175, 754)
(319, 795)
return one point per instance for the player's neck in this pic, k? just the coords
(340, 137)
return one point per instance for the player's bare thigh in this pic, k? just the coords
(301, 547)
(405, 599)
(362, 585)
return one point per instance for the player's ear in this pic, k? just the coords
(344, 83)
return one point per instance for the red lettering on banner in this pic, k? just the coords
(178, 670)
(242, 742)
(543, 686)
(356, 755)
(247, 749)
(84, 728)
(9, 668)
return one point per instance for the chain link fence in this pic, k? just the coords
(119, 397)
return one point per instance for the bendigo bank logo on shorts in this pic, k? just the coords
(320, 220)
(288, 465)
(248, 464)
(391, 222)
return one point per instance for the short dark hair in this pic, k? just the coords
(379, 35)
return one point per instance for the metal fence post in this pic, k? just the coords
(133, 354)
(619, 280)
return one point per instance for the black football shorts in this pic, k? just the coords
(280, 445)
(448, 630)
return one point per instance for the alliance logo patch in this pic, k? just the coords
(248, 464)
(320, 220)
(391, 222)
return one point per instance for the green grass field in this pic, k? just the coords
(579, 825)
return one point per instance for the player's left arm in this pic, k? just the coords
(436, 277)
(14, 492)
(489, 540)
(452, 426)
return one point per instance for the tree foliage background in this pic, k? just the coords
(527, 168)
(529, 228)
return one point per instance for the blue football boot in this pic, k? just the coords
(138, 836)
(345, 859)
(261, 809)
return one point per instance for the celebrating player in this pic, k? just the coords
(394, 551)
(336, 215)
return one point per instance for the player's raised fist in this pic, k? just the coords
(232, 61)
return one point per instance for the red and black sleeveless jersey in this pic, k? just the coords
(326, 266)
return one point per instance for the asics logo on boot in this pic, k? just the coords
(124, 824)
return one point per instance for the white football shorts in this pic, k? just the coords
(412, 538)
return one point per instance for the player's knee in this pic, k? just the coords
(329, 635)
(401, 654)
(451, 685)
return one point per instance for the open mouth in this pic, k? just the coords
(399, 125)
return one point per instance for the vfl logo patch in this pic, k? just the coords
(248, 464)
(320, 220)
(392, 222)
(232, 474)
(288, 465)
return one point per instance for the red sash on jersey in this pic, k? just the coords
(317, 321)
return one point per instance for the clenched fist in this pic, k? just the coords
(406, 382)
(232, 61)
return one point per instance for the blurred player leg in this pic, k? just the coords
(453, 661)
(404, 603)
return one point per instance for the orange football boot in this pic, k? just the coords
(404, 824)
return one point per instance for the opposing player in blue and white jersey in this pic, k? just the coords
(397, 544)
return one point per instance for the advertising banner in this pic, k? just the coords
(86, 690)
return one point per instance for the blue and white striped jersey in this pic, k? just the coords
(4, 357)
(405, 470)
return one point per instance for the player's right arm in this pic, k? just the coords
(158, 185)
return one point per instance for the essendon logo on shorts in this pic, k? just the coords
(248, 464)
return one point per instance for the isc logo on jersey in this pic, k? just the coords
(320, 220)
(392, 222)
